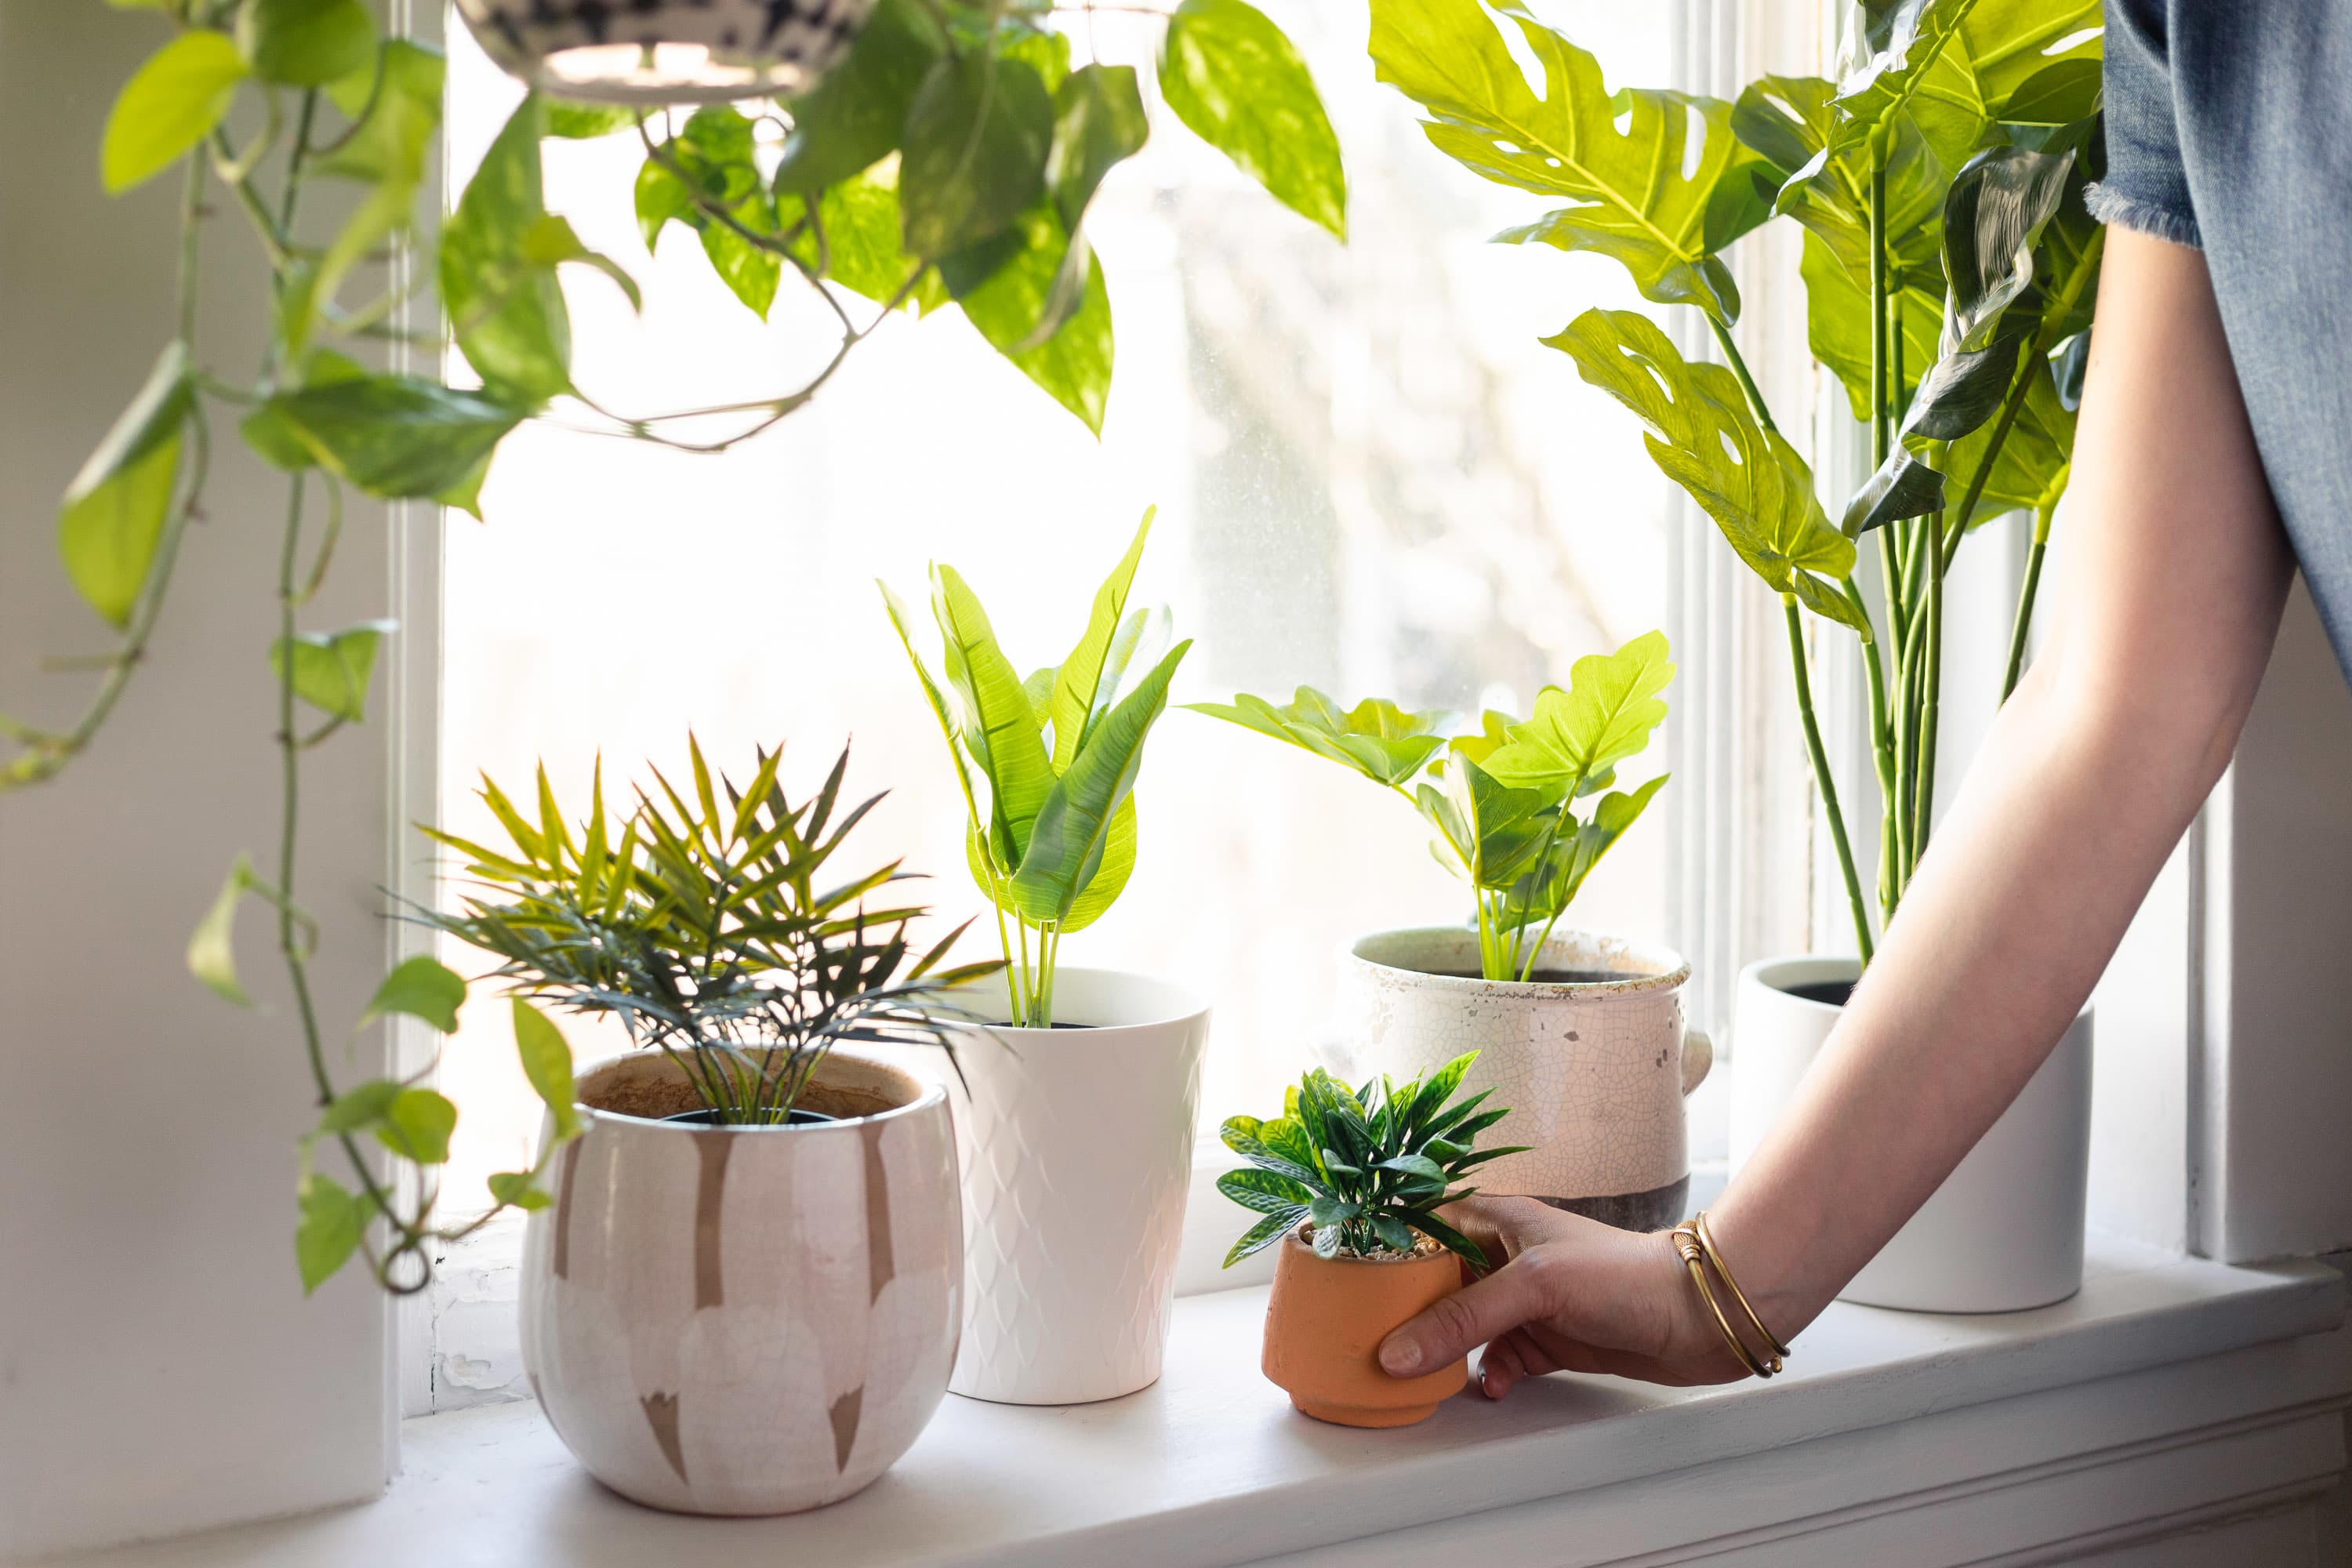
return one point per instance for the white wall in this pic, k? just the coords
(159, 1369)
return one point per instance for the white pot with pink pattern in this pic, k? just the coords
(725, 1319)
(1592, 1056)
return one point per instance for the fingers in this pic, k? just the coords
(1503, 1227)
(1476, 1314)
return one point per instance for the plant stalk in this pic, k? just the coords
(1823, 781)
(2025, 594)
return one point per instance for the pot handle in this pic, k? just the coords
(1699, 1057)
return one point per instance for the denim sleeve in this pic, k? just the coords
(2146, 187)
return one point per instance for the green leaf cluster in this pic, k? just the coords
(711, 923)
(1512, 806)
(1367, 1168)
(1047, 764)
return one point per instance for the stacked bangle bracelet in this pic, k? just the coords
(1697, 1246)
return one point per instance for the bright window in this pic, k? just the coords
(1371, 477)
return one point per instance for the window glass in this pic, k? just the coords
(1371, 477)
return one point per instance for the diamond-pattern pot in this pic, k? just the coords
(1077, 1154)
(745, 1320)
(1594, 1068)
(667, 51)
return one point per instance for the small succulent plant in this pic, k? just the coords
(1368, 1168)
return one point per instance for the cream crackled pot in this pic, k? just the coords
(746, 1320)
(1594, 1059)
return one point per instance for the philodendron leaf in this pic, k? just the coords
(999, 729)
(1099, 124)
(507, 311)
(212, 950)
(863, 251)
(332, 1222)
(1376, 738)
(547, 1065)
(853, 118)
(169, 105)
(396, 435)
(1239, 83)
(1751, 482)
(1069, 840)
(1643, 194)
(1077, 684)
(1044, 306)
(332, 669)
(1608, 712)
(417, 1126)
(571, 120)
(518, 1189)
(1264, 1191)
(1617, 812)
(305, 43)
(715, 148)
(974, 157)
(420, 987)
(552, 242)
(112, 521)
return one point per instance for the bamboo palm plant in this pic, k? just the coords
(1949, 268)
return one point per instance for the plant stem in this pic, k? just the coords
(1823, 781)
(1923, 811)
(1738, 365)
(2025, 594)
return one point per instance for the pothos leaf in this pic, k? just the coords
(1232, 77)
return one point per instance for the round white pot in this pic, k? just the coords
(1077, 1146)
(2005, 1230)
(1594, 1069)
(745, 1320)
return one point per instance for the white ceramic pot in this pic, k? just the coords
(2005, 1230)
(665, 51)
(745, 1321)
(1077, 1154)
(1593, 1068)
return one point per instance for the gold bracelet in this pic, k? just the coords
(1715, 1257)
(1693, 1255)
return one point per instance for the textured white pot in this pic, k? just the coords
(2005, 1230)
(1594, 1071)
(1077, 1152)
(745, 1321)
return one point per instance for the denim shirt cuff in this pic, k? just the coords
(2140, 214)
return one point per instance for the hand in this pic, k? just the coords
(1574, 1295)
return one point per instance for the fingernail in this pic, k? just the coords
(1401, 1355)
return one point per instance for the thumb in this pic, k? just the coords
(1483, 1311)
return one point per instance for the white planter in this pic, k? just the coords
(745, 1320)
(1076, 1148)
(1594, 1071)
(2005, 1230)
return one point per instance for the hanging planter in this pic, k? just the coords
(667, 51)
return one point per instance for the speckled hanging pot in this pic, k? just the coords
(746, 1320)
(667, 51)
(1594, 1067)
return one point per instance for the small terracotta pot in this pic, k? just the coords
(1324, 1327)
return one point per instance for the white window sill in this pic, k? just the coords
(2171, 1390)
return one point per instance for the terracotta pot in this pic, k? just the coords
(1325, 1323)
(745, 1320)
(1594, 1068)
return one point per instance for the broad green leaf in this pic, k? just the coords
(1436, 1090)
(547, 1065)
(1041, 48)
(552, 242)
(1073, 366)
(1330, 1213)
(1752, 483)
(212, 949)
(1078, 684)
(1508, 826)
(420, 987)
(518, 1189)
(332, 1221)
(1616, 814)
(1038, 687)
(1607, 714)
(1955, 67)
(1394, 1233)
(999, 729)
(1231, 76)
(112, 518)
(1037, 294)
(1376, 738)
(359, 1108)
(862, 252)
(571, 120)
(853, 117)
(977, 135)
(715, 150)
(1099, 122)
(1264, 1234)
(332, 670)
(1264, 1191)
(398, 435)
(1837, 325)
(2033, 462)
(390, 150)
(1889, 49)
(169, 105)
(417, 1126)
(507, 311)
(1144, 637)
(1068, 841)
(305, 43)
(902, 622)
(1289, 1155)
(1110, 878)
(661, 199)
(1634, 201)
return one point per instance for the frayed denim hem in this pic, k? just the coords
(2142, 216)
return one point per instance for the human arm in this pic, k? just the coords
(2163, 619)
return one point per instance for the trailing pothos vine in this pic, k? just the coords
(950, 158)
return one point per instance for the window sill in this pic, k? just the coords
(2187, 1390)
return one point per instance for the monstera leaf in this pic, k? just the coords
(1955, 67)
(1750, 481)
(1606, 715)
(1644, 194)
(2031, 465)
(1376, 738)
